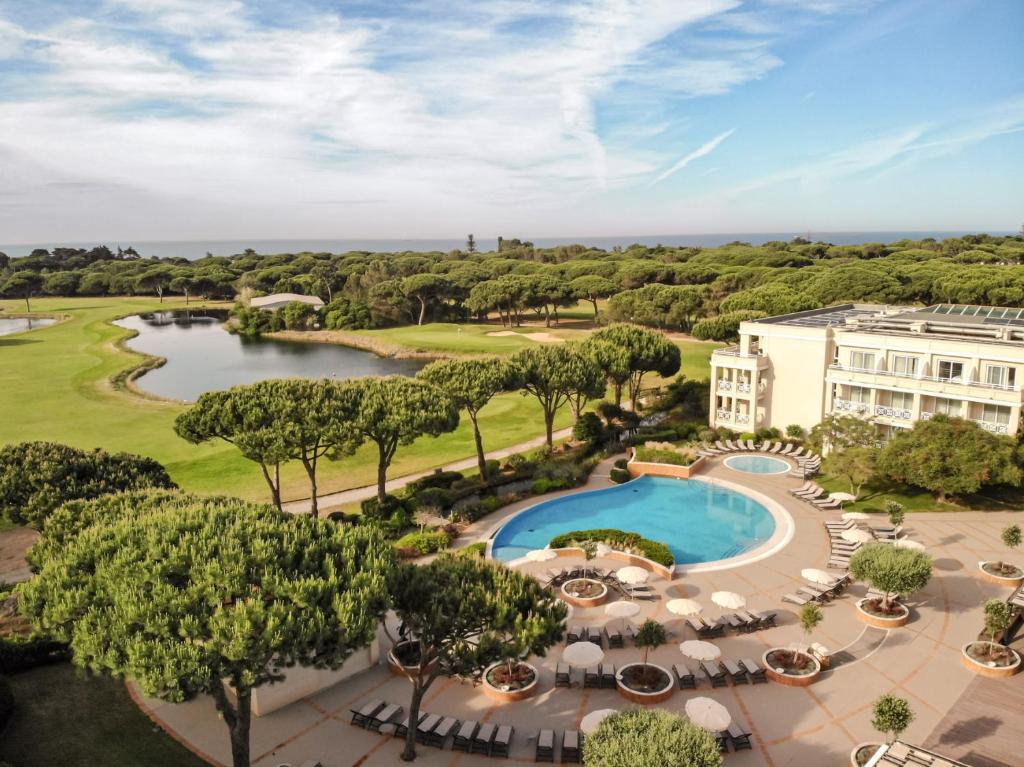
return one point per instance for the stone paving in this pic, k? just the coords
(816, 725)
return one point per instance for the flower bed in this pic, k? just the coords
(642, 684)
(792, 668)
(990, 659)
(862, 753)
(665, 452)
(871, 612)
(505, 685)
(584, 592)
(1001, 573)
(618, 539)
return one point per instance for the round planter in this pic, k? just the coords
(503, 695)
(1000, 580)
(984, 669)
(789, 679)
(396, 666)
(642, 697)
(856, 750)
(883, 622)
(577, 601)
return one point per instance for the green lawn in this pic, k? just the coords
(465, 339)
(874, 494)
(63, 718)
(55, 387)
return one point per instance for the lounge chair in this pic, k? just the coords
(786, 450)
(721, 447)
(439, 734)
(573, 635)
(736, 672)
(736, 622)
(572, 747)
(614, 638)
(714, 674)
(840, 525)
(361, 717)
(722, 738)
(838, 564)
(426, 726)
(802, 489)
(563, 676)
(384, 716)
(464, 737)
(594, 636)
(608, 676)
(751, 446)
(766, 446)
(592, 677)
(502, 741)
(739, 737)
(797, 599)
(827, 504)
(776, 447)
(816, 593)
(813, 495)
(734, 447)
(483, 739)
(687, 681)
(755, 671)
(706, 630)
(892, 534)
(545, 751)
(797, 453)
(763, 620)
(402, 728)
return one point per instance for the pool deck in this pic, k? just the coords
(816, 725)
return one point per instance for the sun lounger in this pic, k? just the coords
(722, 738)
(361, 716)
(827, 504)
(776, 447)
(573, 634)
(797, 453)
(545, 751)
(572, 747)
(797, 599)
(439, 734)
(484, 738)
(594, 636)
(838, 564)
(766, 446)
(736, 446)
(687, 681)
(714, 674)
(502, 741)
(735, 671)
(786, 449)
(608, 676)
(721, 447)
(840, 525)
(402, 728)
(803, 488)
(614, 638)
(739, 737)
(755, 671)
(592, 677)
(384, 716)
(563, 676)
(464, 737)
(816, 594)
(735, 622)
(426, 726)
(751, 446)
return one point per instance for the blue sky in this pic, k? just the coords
(198, 119)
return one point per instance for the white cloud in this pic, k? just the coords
(702, 151)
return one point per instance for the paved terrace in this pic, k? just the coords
(817, 725)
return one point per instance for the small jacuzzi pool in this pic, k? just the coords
(757, 464)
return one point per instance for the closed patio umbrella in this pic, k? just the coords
(817, 576)
(709, 714)
(590, 722)
(582, 654)
(842, 496)
(632, 575)
(603, 549)
(541, 555)
(729, 600)
(683, 606)
(621, 609)
(906, 543)
(856, 535)
(697, 649)
(856, 516)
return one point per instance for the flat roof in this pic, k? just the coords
(830, 316)
(966, 315)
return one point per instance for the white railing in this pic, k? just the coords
(853, 407)
(743, 387)
(724, 384)
(992, 426)
(893, 412)
(723, 415)
(914, 377)
(742, 418)
(734, 351)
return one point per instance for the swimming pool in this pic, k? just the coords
(698, 521)
(757, 464)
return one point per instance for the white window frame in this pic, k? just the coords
(858, 358)
(951, 378)
(911, 364)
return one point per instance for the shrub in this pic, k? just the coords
(621, 463)
(748, 435)
(473, 550)
(23, 654)
(650, 738)
(437, 497)
(590, 429)
(373, 510)
(6, 703)
(545, 485)
(672, 456)
(424, 543)
(621, 539)
(795, 431)
(619, 476)
(493, 467)
(892, 715)
(442, 479)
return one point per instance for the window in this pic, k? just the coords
(948, 406)
(860, 395)
(995, 414)
(901, 400)
(902, 365)
(999, 375)
(951, 371)
(862, 360)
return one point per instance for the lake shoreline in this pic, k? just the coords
(383, 349)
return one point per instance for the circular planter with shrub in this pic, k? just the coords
(874, 613)
(1002, 573)
(990, 659)
(645, 683)
(793, 668)
(584, 592)
(510, 682)
(404, 658)
(862, 753)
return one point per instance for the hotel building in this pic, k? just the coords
(891, 364)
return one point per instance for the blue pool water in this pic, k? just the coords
(698, 521)
(757, 464)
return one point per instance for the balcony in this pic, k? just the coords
(724, 384)
(992, 426)
(723, 415)
(742, 418)
(743, 388)
(893, 412)
(850, 406)
(927, 383)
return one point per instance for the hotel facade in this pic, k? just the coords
(893, 365)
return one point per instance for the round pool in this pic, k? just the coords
(698, 521)
(757, 464)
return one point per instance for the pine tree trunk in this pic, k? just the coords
(549, 422)
(310, 467)
(423, 309)
(238, 718)
(382, 476)
(275, 491)
(618, 394)
(409, 754)
(594, 302)
(481, 459)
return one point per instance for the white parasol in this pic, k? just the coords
(817, 576)
(729, 600)
(591, 721)
(582, 654)
(683, 607)
(856, 516)
(632, 575)
(842, 497)
(709, 714)
(856, 535)
(603, 549)
(541, 555)
(906, 543)
(697, 649)
(621, 609)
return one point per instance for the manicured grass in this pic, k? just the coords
(63, 718)
(465, 339)
(874, 494)
(55, 385)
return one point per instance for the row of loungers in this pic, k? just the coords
(741, 621)
(555, 577)
(818, 592)
(748, 446)
(815, 495)
(745, 671)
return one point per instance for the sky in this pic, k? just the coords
(216, 119)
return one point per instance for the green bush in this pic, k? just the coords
(653, 550)
(424, 543)
(621, 463)
(372, 509)
(442, 479)
(434, 496)
(650, 738)
(655, 455)
(6, 703)
(748, 435)
(23, 654)
(619, 476)
(493, 467)
(545, 485)
(473, 550)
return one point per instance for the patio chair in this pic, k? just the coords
(803, 488)
(384, 716)
(573, 635)
(594, 636)
(722, 738)
(755, 671)
(361, 717)
(797, 599)
(722, 447)
(592, 677)
(483, 739)
(715, 675)
(502, 741)
(751, 446)
(827, 504)
(734, 621)
(797, 453)
(765, 446)
(439, 734)
(608, 676)
(687, 681)
(402, 728)
(563, 677)
(425, 727)
(736, 672)
(740, 738)
(786, 450)
(572, 747)
(545, 751)
(464, 737)
(776, 447)
(614, 638)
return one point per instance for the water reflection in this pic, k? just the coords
(10, 325)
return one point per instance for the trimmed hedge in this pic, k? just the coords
(424, 543)
(653, 550)
(671, 457)
(473, 550)
(619, 476)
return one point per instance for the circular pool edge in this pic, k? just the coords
(775, 459)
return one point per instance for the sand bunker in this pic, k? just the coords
(543, 338)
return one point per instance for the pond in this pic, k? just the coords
(10, 325)
(202, 356)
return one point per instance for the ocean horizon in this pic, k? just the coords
(193, 249)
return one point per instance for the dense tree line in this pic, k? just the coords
(667, 287)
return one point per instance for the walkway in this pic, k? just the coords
(357, 494)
